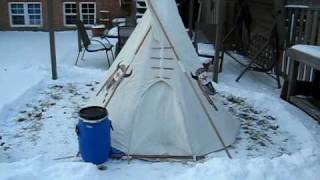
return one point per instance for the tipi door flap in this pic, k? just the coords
(159, 121)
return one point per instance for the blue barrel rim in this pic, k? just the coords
(93, 114)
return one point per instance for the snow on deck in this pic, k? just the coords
(38, 116)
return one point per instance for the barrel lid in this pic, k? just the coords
(93, 113)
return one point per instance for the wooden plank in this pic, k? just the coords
(292, 79)
(283, 64)
(306, 106)
(219, 39)
(318, 41)
(294, 29)
(307, 31)
(301, 25)
(304, 58)
(314, 27)
(312, 73)
(308, 73)
(301, 71)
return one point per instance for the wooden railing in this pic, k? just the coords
(303, 27)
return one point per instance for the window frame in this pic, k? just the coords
(25, 15)
(81, 14)
(95, 12)
(65, 14)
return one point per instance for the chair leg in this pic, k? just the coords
(278, 75)
(108, 58)
(244, 71)
(77, 58)
(278, 81)
(112, 55)
(83, 55)
(221, 62)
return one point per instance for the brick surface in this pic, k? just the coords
(110, 5)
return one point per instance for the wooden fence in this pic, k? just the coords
(303, 27)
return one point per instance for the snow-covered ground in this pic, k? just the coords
(38, 116)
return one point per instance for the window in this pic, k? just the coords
(87, 13)
(25, 14)
(70, 13)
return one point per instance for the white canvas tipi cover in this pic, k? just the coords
(160, 110)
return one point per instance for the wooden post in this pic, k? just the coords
(133, 9)
(52, 39)
(292, 79)
(78, 19)
(220, 4)
(191, 12)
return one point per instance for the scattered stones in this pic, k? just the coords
(63, 101)
(21, 119)
(258, 130)
(55, 97)
(38, 115)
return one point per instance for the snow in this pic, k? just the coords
(297, 6)
(206, 49)
(100, 26)
(308, 49)
(38, 116)
(113, 31)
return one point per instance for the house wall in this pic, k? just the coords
(112, 5)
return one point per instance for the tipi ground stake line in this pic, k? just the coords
(190, 82)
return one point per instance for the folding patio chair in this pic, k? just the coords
(92, 47)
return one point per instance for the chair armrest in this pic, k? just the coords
(109, 36)
(106, 38)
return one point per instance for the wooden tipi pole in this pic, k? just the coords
(220, 7)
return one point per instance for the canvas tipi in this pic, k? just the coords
(159, 110)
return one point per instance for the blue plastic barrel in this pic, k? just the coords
(93, 131)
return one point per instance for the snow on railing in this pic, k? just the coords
(303, 24)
